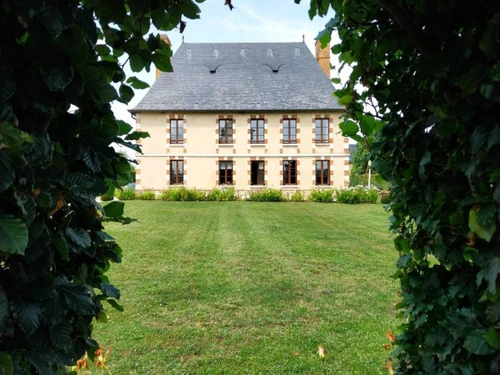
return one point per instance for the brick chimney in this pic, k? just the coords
(165, 38)
(323, 57)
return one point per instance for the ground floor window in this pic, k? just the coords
(176, 172)
(257, 173)
(290, 172)
(226, 173)
(322, 172)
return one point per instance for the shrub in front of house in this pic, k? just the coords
(322, 196)
(126, 194)
(297, 197)
(222, 194)
(266, 195)
(146, 195)
(182, 194)
(357, 194)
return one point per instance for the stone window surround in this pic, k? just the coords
(217, 129)
(331, 162)
(173, 116)
(257, 158)
(321, 116)
(217, 169)
(257, 117)
(184, 166)
(297, 165)
(297, 129)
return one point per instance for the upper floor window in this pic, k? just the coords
(176, 131)
(289, 131)
(290, 172)
(176, 172)
(322, 172)
(257, 131)
(322, 130)
(225, 172)
(225, 131)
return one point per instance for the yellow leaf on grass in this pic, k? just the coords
(321, 351)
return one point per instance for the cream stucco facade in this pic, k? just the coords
(200, 152)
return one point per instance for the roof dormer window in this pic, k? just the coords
(270, 53)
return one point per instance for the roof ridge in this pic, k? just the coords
(243, 43)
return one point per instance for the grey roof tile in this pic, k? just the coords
(242, 80)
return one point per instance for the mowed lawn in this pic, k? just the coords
(252, 288)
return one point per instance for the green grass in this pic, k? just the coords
(251, 288)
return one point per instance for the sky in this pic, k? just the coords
(249, 21)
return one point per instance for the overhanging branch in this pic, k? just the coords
(416, 35)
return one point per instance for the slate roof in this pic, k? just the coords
(240, 77)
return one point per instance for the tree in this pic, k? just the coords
(359, 159)
(433, 69)
(54, 251)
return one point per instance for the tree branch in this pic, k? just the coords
(416, 35)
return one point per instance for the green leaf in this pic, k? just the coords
(190, 10)
(26, 314)
(137, 135)
(349, 128)
(136, 62)
(13, 235)
(7, 83)
(493, 312)
(79, 237)
(162, 61)
(11, 137)
(493, 271)
(6, 364)
(137, 83)
(102, 317)
(403, 261)
(476, 343)
(158, 16)
(335, 80)
(91, 160)
(486, 90)
(114, 209)
(105, 92)
(367, 124)
(345, 100)
(115, 305)
(483, 231)
(28, 208)
(76, 296)
(57, 78)
(126, 93)
(60, 335)
(401, 245)
(492, 337)
(110, 290)
(478, 140)
(7, 175)
(42, 148)
(4, 306)
(123, 127)
(62, 247)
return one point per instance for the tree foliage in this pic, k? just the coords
(54, 161)
(360, 159)
(432, 68)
